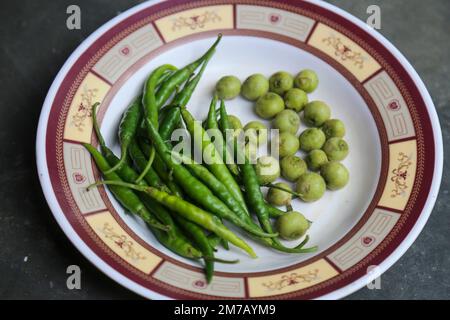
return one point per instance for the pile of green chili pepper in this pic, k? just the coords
(184, 203)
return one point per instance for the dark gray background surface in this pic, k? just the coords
(34, 252)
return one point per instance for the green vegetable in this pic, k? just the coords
(312, 138)
(269, 105)
(267, 169)
(279, 197)
(125, 196)
(256, 132)
(212, 124)
(315, 159)
(195, 189)
(255, 86)
(211, 157)
(292, 167)
(235, 123)
(333, 128)
(167, 88)
(281, 82)
(316, 113)
(310, 187)
(295, 99)
(306, 80)
(292, 225)
(228, 87)
(287, 121)
(288, 144)
(336, 149)
(335, 175)
(127, 130)
(190, 212)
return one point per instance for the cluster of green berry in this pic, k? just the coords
(283, 98)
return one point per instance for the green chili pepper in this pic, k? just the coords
(255, 199)
(183, 97)
(212, 158)
(274, 212)
(125, 196)
(180, 76)
(149, 98)
(173, 239)
(127, 130)
(139, 161)
(190, 212)
(217, 187)
(170, 123)
(150, 108)
(161, 169)
(211, 123)
(195, 189)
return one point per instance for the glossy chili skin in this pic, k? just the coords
(211, 123)
(127, 130)
(169, 86)
(215, 185)
(149, 98)
(213, 158)
(199, 217)
(173, 239)
(161, 169)
(170, 123)
(255, 199)
(125, 196)
(195, 189)
(150, 109)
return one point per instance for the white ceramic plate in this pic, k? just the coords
(392, 129)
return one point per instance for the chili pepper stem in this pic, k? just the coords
(270, 185)
(147, 167)
(221, 260)
(222, 232)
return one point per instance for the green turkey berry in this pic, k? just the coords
(316, 113)
(228, 87)
(281, 82)
(306, 80)
(255, 87)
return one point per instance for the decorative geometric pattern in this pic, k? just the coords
(278, 21)
(345, 51)
(195, 281)
(392, 106)
(290, 281)
(77, 162)
(196, 20)
(365, 240)
(127, 52)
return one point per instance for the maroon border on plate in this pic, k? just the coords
(416, 105)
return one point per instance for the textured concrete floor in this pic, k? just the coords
(35, 253)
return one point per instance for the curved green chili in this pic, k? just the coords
(190, 212)
(170, 123)
(183, 97)
(149, 98)
(214, 184)
(211, 123)
(150, 107)
(161, 169)
(173, 239)
(127, 130)
(196, 189)
(180, 76)
(125, 196)
(211, 156)
(255, 199)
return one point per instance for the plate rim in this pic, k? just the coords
(148, 293)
